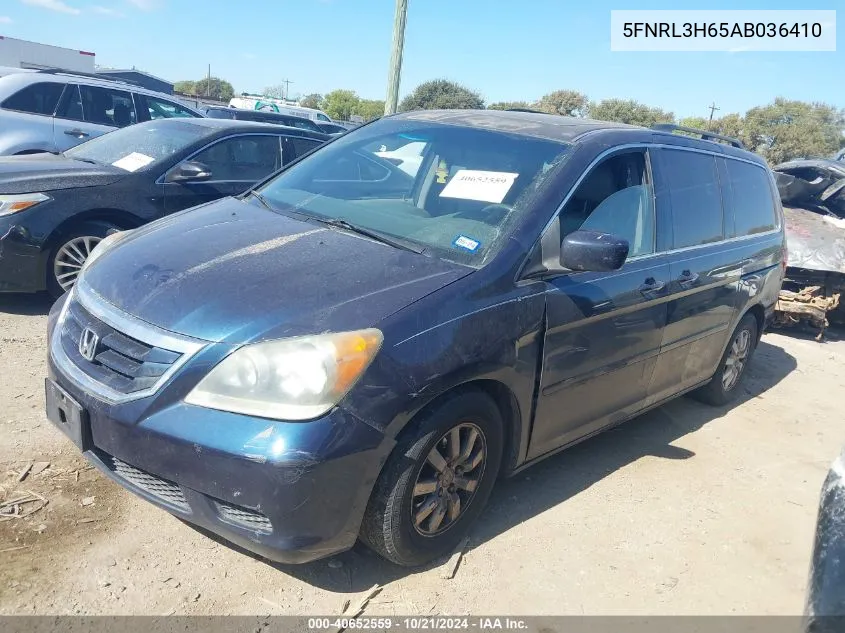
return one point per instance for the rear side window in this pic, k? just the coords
(219, 114)
(754, 209)
(105, 106)
(296, 147)
(40, 98)
(161, 109)
(695, 197)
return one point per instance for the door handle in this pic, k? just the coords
(77, 132)
(652, 286)
(687, 279)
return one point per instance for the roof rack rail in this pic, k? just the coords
(64, 71)
(704, 134)
(525, 110)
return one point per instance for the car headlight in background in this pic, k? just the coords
(102, 246)
(10, 204)
(289, 379)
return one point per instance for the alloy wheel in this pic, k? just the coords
(737, 357)
(70, 257)
(448, 480)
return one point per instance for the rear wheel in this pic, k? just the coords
(73, 249)
(436, 482)
(724, 385)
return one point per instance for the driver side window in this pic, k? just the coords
(616, 197)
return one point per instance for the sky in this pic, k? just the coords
(505, 50)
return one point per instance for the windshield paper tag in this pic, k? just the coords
(484, 186)
(462, 241)
(133, 161)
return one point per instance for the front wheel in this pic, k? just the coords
(724, 385)
(73, 249)
(436, 482)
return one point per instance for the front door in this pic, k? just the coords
(603, 330)
(236, 163)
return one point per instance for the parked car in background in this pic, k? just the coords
(333, 128)
(271, 104)
(55, 209)
(51, 111)
(825, 608)
(352, 350)
(236, 114)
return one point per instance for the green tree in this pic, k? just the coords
(341, 104)
(788, 129)
(312, 100)
(732, 125)
(697, 122)
(186, 87)
(629, 111)
(564, 102)
(214, 88)
(509, 105)
(441, 93)
(369, 109)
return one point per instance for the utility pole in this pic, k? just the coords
(392, 101)
(287, 83)
(712, 109)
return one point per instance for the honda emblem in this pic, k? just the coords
(88, 344)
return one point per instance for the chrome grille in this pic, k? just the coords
(243, 517)
(121, 363)
(167, 491)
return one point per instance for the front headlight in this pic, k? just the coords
(10, 204)
(290, 379)
(102, 246)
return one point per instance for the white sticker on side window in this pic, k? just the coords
(133, 161)
(484, 186)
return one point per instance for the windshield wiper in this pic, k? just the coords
(390, 240)
(85, 160)
(261, 199)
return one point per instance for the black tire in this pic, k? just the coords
(388, 527)
(716, 392)
(93, 229)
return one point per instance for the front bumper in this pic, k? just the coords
(21, 259)
(290, 492)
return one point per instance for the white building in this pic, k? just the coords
(17, 53)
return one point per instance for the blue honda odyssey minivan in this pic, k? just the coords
(361, 345)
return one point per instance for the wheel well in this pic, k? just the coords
(757, 311)
(508, 407)
(120, 219)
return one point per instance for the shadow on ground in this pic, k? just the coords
(553, 481)
(25, 304)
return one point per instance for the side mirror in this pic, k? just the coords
(593, 251)
(189, 171)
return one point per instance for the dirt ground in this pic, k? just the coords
(686, 510)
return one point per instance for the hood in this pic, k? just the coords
(815, 241)
(51, 172)
(233, 271)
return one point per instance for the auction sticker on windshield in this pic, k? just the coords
(133, 161)
(484, 186)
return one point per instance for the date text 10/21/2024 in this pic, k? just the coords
(429, 623)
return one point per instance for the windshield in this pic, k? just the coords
(455, 191)
(134, 147)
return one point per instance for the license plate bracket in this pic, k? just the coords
(67, 414)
